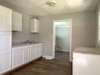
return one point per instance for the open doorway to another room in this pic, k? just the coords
(62, 39)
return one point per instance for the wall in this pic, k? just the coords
(25, 34)
(83, 30)
(98, 19)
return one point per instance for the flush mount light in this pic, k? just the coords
(75, 3)
(51, 3)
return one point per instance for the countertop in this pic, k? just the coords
(24, 44)
(87, 50)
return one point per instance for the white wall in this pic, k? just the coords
(83, 33)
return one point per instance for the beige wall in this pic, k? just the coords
(98, 17)
(83, 33)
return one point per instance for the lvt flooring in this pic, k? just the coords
(58, 66)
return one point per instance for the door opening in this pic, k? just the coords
(62, 37)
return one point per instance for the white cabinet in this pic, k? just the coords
(5, 51)
(17, 57)
(34, 25)
(33, 54)
(25, 54)
(36, 51)
(16, 21)
(5, 19)
(27, 58)
(86, 64)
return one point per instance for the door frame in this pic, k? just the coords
(54, 37)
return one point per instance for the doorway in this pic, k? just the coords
(62, 38)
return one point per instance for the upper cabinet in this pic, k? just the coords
(16, 21)
(5, 19)
(34, 25)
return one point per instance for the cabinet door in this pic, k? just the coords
(39, 50)
(5, 61)
(33, 52)
(5, 19)
(36, 51)
(34, 26)
(16, 21)
(27, 55)
(17, 57)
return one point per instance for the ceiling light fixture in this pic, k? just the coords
(51, 3)
(75, 3)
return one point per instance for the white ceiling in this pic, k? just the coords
(39, 8)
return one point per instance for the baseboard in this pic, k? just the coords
(49, 57)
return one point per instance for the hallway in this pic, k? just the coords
(58, 66)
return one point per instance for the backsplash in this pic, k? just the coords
(25, 35)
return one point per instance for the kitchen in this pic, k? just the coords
(27, 42)
(13, 54)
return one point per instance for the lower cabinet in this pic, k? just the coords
(35, 51)
(25, 54)
(17, 57)
(86, 63)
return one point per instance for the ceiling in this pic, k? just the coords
(39, 8)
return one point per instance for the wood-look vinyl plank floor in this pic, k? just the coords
(58, 66)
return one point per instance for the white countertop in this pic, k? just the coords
(88, 50)
(23, 44)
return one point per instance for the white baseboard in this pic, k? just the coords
(49, 57)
